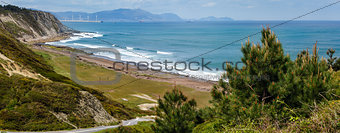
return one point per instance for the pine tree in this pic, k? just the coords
(247, 90)
(331, 60)
(270, 81)
(175, 113)
(336, 65)
(263, 65)
(307, 81)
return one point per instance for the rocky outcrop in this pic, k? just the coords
(90, 105)
(29, 25)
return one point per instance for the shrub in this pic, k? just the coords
(175, 113)
(324, 118)
(141, 127)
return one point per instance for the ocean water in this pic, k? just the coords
(184, 40)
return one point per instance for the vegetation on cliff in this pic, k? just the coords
(26, 24)
(28, 104)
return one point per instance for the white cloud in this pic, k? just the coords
(210, 4)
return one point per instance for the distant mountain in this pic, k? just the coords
(212, 18)
(119, 15)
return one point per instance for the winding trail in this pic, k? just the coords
(96, 129)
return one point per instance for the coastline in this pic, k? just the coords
(173, 78)
(45, 39)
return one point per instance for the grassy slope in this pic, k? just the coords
(87, 71)
(141, 127)
(24, 102)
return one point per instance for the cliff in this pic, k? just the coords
(29, 25)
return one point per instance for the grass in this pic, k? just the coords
(14, 29)
(25, 104)
(123, 89)
(324, 118)
(141, 127)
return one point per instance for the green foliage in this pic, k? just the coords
(12, 8)
(221, 126)
(263, 65)
(248, 91)
(14, 29)
(325, 118)
(333, 62)
(175, 113)
(331, 59)
(141, 127)
(25, 104)
(22, 14)
(336, 65)
(211, 126)
(307, 81)
(121, 112)
(270, 88)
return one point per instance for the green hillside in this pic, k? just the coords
(26, 103)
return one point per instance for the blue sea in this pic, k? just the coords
(180, 41)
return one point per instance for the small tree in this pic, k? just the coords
(331, 59)
(247, 89)
(175, 113)
(263, 65)
(333, 62)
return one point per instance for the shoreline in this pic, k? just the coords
(160, 76)
(45, 39)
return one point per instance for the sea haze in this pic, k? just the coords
(178, 41)
(119, 15)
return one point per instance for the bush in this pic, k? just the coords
(141, 127)
(211, 126)
(175, 113)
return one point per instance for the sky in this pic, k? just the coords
(194, 9)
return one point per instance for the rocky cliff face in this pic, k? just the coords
(29, 25)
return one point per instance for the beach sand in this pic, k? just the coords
(176, 79)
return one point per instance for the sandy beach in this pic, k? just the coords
(176, 79)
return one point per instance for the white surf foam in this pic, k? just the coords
(77, 36)
(87, 45)
(129, 48)
(88, 35)
(161, 52)
(72, 38)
